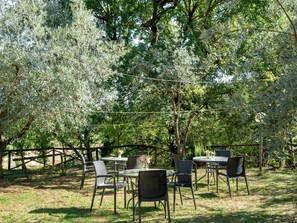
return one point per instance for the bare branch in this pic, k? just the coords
(290, 20)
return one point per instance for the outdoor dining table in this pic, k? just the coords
(133, 173)
(211, 163)
(116, 160)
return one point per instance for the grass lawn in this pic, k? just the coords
(49, 196)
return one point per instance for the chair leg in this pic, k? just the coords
(194, 197)
(180, 196)
(228, 183)
(165, 207)
(196, 182)
(246, 183)
(115, 201)
(125, 197)
(208, 178)
(93, 198)
(139, 214)
(102, 195)
(133, 211)
(236, 184)
(217, 179)
(168, 210)
(174, 201)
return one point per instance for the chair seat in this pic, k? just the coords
(119, 185)
(179, 184)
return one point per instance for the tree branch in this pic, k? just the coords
(4, 142)
(290, 20)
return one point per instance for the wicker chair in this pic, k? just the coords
(183, 178)
(235, 169)
(177, 159)
(152, 187)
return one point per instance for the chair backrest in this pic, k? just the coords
(235, 167)
(185, 166)
(100, 169)
(226, 153)
(152, 185)
(83, 160)
(134, 163)
(139, 153)
(176, 159)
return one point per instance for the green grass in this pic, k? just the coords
(49, 196)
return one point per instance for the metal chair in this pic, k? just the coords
(183, 178)
(87, 167)
(152, 187)
(102, 183)
(234, 170)
(177, 159)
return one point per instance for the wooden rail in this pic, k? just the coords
(27, 159)
(67, 154)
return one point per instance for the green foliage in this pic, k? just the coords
(51, 72)
(216, 64)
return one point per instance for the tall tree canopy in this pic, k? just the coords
(53, 63)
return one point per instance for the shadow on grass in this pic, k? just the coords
(84, 214)
(70, 212)
(45, 178)
(240, 217)
(207, 195)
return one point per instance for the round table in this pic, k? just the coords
(212, 159)
(211, 163)
(133, 173)
(116, 160)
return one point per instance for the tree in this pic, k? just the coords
(279, 100)
(161, 31)
(50, 73)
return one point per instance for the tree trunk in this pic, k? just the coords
(1, 165)
(4, 142)
(3, 145)
(187, 129)
(175, 101)
(292, 153)
(154, 27)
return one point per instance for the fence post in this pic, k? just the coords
(54, 151)
(97, 154)
(9, 160)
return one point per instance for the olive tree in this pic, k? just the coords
(54, 61)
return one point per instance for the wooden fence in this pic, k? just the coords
(65, 155)
(70, 154)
